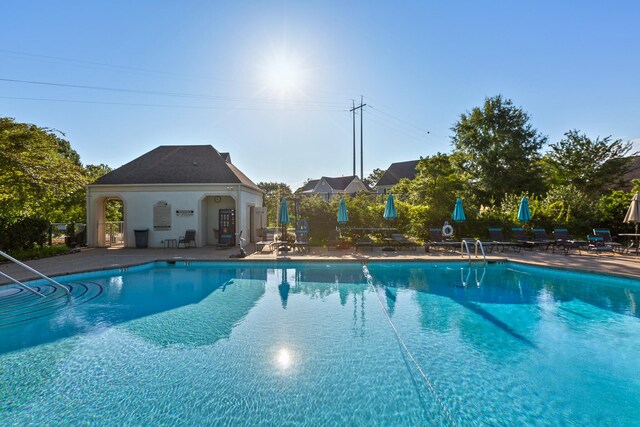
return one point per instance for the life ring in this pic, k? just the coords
(447, 230)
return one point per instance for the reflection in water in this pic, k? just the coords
(284, 358)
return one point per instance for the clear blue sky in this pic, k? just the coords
(202, 72)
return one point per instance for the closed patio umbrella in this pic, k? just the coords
(458, 213)
(283, 217)
(633, 213)
(523, 213)
(343, 215)
(390, 210)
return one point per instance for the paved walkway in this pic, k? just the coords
(107, 258)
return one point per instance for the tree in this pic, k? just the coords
(591, 165)
(497, 151)
(38, 170)
(374, 177)
(274, 192)
(436, 185)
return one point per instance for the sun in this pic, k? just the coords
(283, 75)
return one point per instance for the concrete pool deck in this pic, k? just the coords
(91, 259)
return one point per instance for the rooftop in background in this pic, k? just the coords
(395, 173)
(178, 164)
(329, 186)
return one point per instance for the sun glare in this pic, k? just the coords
(283, 75)
(284, 358)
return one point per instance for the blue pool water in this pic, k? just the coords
(319, 344)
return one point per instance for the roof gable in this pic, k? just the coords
(398, 171)
(178, 164)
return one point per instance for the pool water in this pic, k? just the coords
(320, 344)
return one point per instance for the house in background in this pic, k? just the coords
(172, 189)
(329, 187)
(394, 174)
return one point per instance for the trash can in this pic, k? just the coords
(142, 238)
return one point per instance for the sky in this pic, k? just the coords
(272, 82)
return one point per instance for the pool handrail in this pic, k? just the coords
(36, 272)
(22, 285)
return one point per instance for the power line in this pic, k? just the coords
(202, 107)
(173, 94)
(421, 129)
(118, 67)
(396, 127)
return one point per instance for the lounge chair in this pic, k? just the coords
(403, 242)
(608, 240)
(598, 245)
(540, 235)
(525, 241)
(335, 240)
(565, 241)
(496, 235)
(188, 238)
(268, 240)
(435, 240)
(364, 242)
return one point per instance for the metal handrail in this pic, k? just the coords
(465, 245)
(484, 256)
(25, 266)
(22, 285)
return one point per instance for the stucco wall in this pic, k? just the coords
(140, 200)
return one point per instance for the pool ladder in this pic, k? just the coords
(36, 272)
(464, 248)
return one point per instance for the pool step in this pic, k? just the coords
(18, 305)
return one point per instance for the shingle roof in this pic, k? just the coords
(178, 164)
(397, 171)
(339, 183)
(310, 185)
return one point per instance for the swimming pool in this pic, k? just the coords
(319, 344)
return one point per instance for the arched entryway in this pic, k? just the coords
(109, 218)
(219, 222)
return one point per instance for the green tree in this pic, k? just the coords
(497, 150)
(38, 170)
(274, 192)
(374, 177)
(436, 186)
(591, 165)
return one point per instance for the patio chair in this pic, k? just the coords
(496, 235)
(403, 242)
(565, 241)
(598, 245)
(608, 240)
(302, 236)
(188, 238)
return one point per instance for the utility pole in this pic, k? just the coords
(353, 110)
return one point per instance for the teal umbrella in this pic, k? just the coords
(458, 213)
(390, 210)
(523, 213)
(343, 215)
(283, 216)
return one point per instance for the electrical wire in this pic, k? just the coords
(202, 107)
(173, 94)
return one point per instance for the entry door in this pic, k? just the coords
(227, 224)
